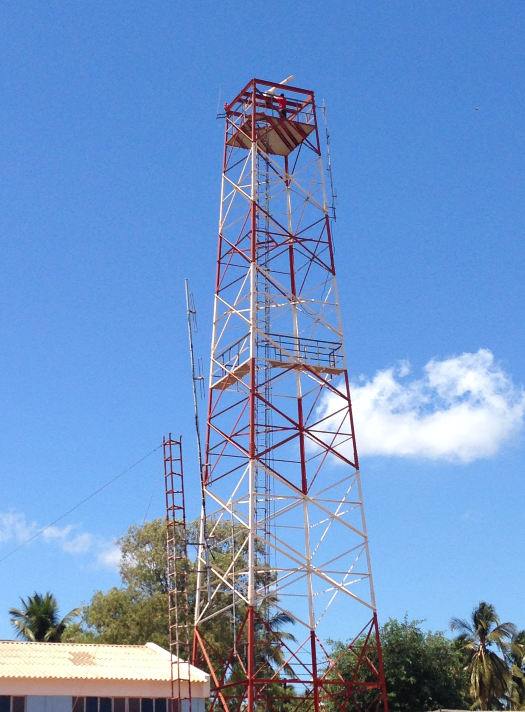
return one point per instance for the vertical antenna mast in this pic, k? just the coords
(329, 164)
(192, 327)
(203, 550)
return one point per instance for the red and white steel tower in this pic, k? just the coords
(283, 563)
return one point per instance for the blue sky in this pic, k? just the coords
(110, 158)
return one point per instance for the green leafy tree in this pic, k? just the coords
(489, 673)
(423, 670)
(136, 612)
(39, 619)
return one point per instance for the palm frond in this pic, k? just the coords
(70, 617)
(503, 630)
(23, 631)
(461, 625)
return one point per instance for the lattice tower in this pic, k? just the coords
(287, 552)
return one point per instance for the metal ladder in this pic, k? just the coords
(177, 558)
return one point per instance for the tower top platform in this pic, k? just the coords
(257, 115)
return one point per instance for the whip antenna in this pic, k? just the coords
(203, 548)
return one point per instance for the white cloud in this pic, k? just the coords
(79, 544)
(463, 409)
(15, 528)
(110, 556)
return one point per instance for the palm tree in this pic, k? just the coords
(489, 673)
(267, 634)
(269, 659)
(516, 662)
(38, 619)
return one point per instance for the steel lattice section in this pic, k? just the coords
(286, 532)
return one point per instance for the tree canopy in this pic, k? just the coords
(490, 674)
(136, 612)
(424, 670)
(39, 619)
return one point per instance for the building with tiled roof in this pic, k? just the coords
(78, 677)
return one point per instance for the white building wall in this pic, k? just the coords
(36, 687)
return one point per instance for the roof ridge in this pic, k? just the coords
(100, 645)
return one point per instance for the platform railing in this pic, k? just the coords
(283, 348)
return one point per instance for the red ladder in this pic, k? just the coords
(177, 555)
